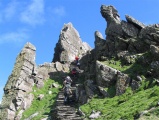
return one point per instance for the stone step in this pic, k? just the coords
(59, 100)
(77, 118)
(61, 96)
(66, 111)
(69, 116)
(60, 104)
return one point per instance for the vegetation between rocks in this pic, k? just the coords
(44, 106)
(127, 106)
(131, 104)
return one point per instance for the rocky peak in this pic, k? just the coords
(25, 62)
(16, 91)
(110, 14)
(69, 45)
(97, 35)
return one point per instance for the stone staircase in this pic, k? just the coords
(68, 111)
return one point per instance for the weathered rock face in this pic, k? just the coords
(101, 46)
(25, 75)
(122, 83)
(50, 70)
(136, 23)
(113, 20)
(16, 91)
(69, 45)
(130, 35)
(106, 76)
(125, 40)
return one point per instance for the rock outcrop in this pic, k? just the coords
(17, 91)
(127, 41)
(50, 70)
(17, 96)
(69, 45)
(124, 35)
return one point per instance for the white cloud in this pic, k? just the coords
(31, 12)
(34, 13)
(10, 10)
(14, 37)
(60, 11)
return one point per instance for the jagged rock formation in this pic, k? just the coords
(69, 45)
(125, 40)
(132, 36)
(16, 91)
(25, 75)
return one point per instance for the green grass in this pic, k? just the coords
(44, 106)
(130, 69)
(126, 106)
(129, 105)
(111, 91)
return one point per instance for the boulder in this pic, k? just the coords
(105, 75)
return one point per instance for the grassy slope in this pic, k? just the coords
(129, 105)
(126, 106)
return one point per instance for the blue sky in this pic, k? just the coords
(40, 22)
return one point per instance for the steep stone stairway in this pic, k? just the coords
(67, 111)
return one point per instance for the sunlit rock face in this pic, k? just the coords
(69, 45)
(17, 90)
